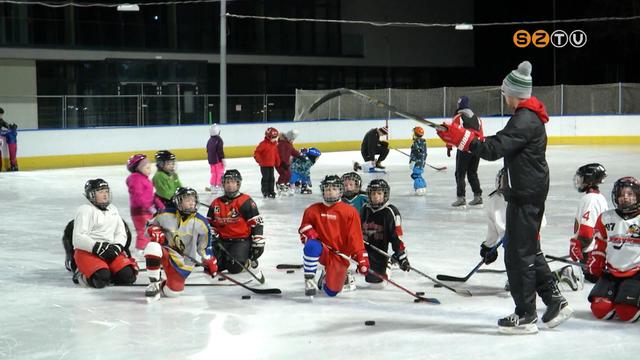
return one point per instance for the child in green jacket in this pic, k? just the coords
(166, 179)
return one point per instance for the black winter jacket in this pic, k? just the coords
(523, 144)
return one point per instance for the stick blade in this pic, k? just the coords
(450, 278)
(324, 99)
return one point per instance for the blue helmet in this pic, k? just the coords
(313, 152)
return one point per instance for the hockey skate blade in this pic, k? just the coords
(528, 329)
(152, 299)
(563, 315)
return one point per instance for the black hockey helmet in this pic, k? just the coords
(182, 193)
(331, 181)
(232, 175)
(162, 156)
(616, 192)
(589, 176)
(378, 185)
(356, 178)
(90, 189)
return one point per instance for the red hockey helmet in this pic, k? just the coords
(271, 133)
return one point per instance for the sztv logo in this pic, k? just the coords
(541, 38)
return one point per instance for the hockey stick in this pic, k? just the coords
(491, 271)
(271, 291)
(431, 166)
(566, 261)
(197, 284)
(461, 292)
(260, 279)
(475, 269)
(384, 278)
(375, 102)
(289, 266)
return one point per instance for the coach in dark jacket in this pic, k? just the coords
(522, 143)
(372, 146)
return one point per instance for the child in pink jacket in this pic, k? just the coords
(141, 198)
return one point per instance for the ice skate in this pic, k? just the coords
(517, 325)
(283, 190)
(477, 200)
(421, 192)
(558, 309)
(379, 165)
(207, 188)
(154, 290)
(79, 279)
(349, 283)
(305, 189)
(356, 166)
(310, 286)
(460, 202)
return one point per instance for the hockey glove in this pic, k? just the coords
(156, 234)
(401, 258)
(307, 233)
(257, 247)
(363, 262)
(210, 266)
(488, 254)
(595, 262)
(575, 249)
(458, 136)
(107, 251)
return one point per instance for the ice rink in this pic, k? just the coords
(43, 315)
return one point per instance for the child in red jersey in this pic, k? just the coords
(235, 217)
(328, 226)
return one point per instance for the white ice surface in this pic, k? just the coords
(43, 315)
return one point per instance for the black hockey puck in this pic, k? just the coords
(290, 271)
(420, 293)
(437, 285)
(246, 297)
(370, 323)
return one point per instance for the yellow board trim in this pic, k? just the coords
(67, 161)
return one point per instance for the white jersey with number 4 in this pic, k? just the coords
(591, 206)
(623, 242)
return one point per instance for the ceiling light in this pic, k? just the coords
(464, 27)
(128, 7)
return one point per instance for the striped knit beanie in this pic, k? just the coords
(518, 82)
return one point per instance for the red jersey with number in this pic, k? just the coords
(236, 218)
(338, 226)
